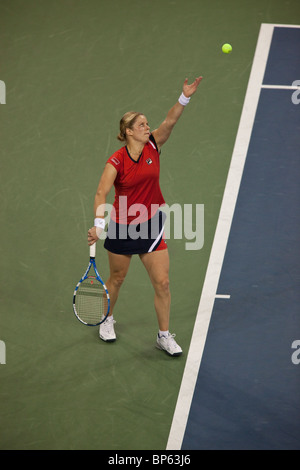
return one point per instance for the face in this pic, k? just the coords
(140, 130)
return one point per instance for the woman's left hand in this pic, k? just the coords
(189, 90)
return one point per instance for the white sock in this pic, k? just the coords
(163, 333)
(109, 317)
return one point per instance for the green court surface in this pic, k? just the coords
(71, 69)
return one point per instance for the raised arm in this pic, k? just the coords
(162, 133)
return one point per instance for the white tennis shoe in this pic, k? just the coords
(107, 331)
(169, 345)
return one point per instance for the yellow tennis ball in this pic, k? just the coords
(226, 48)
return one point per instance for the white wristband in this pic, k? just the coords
(98, 222)
(183, 99)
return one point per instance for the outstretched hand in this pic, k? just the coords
(189, 90)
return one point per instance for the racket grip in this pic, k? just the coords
(93, 251)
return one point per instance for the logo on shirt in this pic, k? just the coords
(115, 160)
(149, 161)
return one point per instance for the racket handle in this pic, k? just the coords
(93, 251)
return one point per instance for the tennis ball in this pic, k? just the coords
(226, 48)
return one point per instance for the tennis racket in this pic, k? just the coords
(91, 300)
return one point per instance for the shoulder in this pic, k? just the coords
(117, 158)
(153, 143)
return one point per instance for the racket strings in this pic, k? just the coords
(91, 301)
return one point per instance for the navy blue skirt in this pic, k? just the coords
(135, 239)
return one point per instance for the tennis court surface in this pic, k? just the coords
(71, 70)
(246, 394)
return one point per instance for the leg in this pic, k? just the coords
(157, 265)
(119, 265)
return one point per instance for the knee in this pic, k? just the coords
(163, 285)
(117, 279)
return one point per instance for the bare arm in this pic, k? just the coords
(163, 132)
(105, 184)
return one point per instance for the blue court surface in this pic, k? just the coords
(247, 389)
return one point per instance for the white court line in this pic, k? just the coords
(284, 25)
(220, 240)
(281, 87)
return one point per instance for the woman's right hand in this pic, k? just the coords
(93, 235)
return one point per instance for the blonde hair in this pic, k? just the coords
(127, 122)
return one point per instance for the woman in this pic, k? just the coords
(134, 171)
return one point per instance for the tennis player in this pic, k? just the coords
(137, 224)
